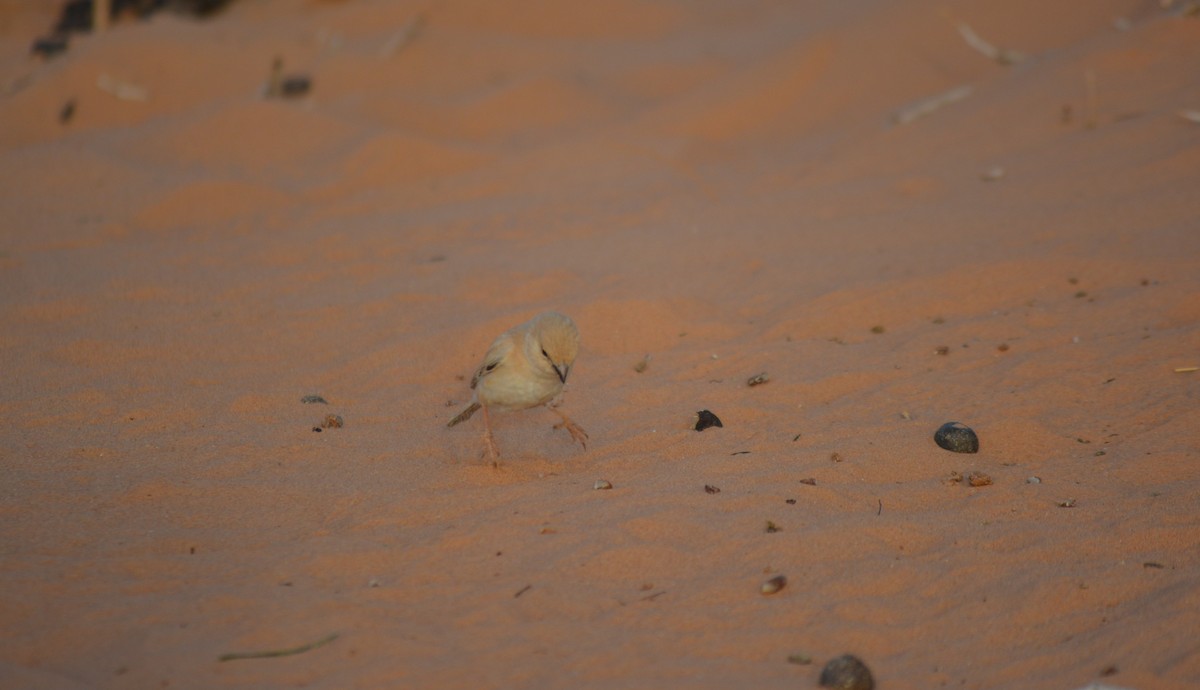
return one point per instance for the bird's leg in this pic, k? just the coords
(575, 430)
(489, 444)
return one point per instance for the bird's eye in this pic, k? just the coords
(544, 353)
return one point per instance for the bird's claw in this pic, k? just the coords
(575, 430)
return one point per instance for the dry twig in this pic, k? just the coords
(929, 105)
(270, 653)
(1003, 56)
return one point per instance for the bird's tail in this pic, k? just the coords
(465, 414)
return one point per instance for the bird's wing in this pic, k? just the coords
(494, 358)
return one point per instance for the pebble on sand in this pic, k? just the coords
(705, 419)
(774, 584)
(957, 437)
(847, 672)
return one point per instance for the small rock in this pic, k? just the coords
(992, 174)
(811, 481)
(956, 437)
(295, 85)
(1069, 503)
(710, 489)
(758, 379)
(979, 479)
(280, 85)
(1033, 480)
(847, 672)
(313, 399)
(333, 421)
(705, 419)
(49, 46)
(602, 484)
(774, 584)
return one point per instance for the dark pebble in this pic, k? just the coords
(957, 437)
(50, 46)
(707, 419)
(76, 15)
(295, 86)
(313, 399)
(847, 672)
(280, 85)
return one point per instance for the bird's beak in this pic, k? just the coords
(562, 373)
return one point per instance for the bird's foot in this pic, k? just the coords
(574, 429)
(490, 451)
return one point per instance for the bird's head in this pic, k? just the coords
(557, 342)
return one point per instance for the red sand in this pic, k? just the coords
(716, 184)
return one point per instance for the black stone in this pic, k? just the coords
(847, 672)
(295, 86)
(957, 437)
(707, 419)
(49, 46)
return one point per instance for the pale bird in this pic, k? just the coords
(525, 367)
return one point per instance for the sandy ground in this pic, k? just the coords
(720, 186)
